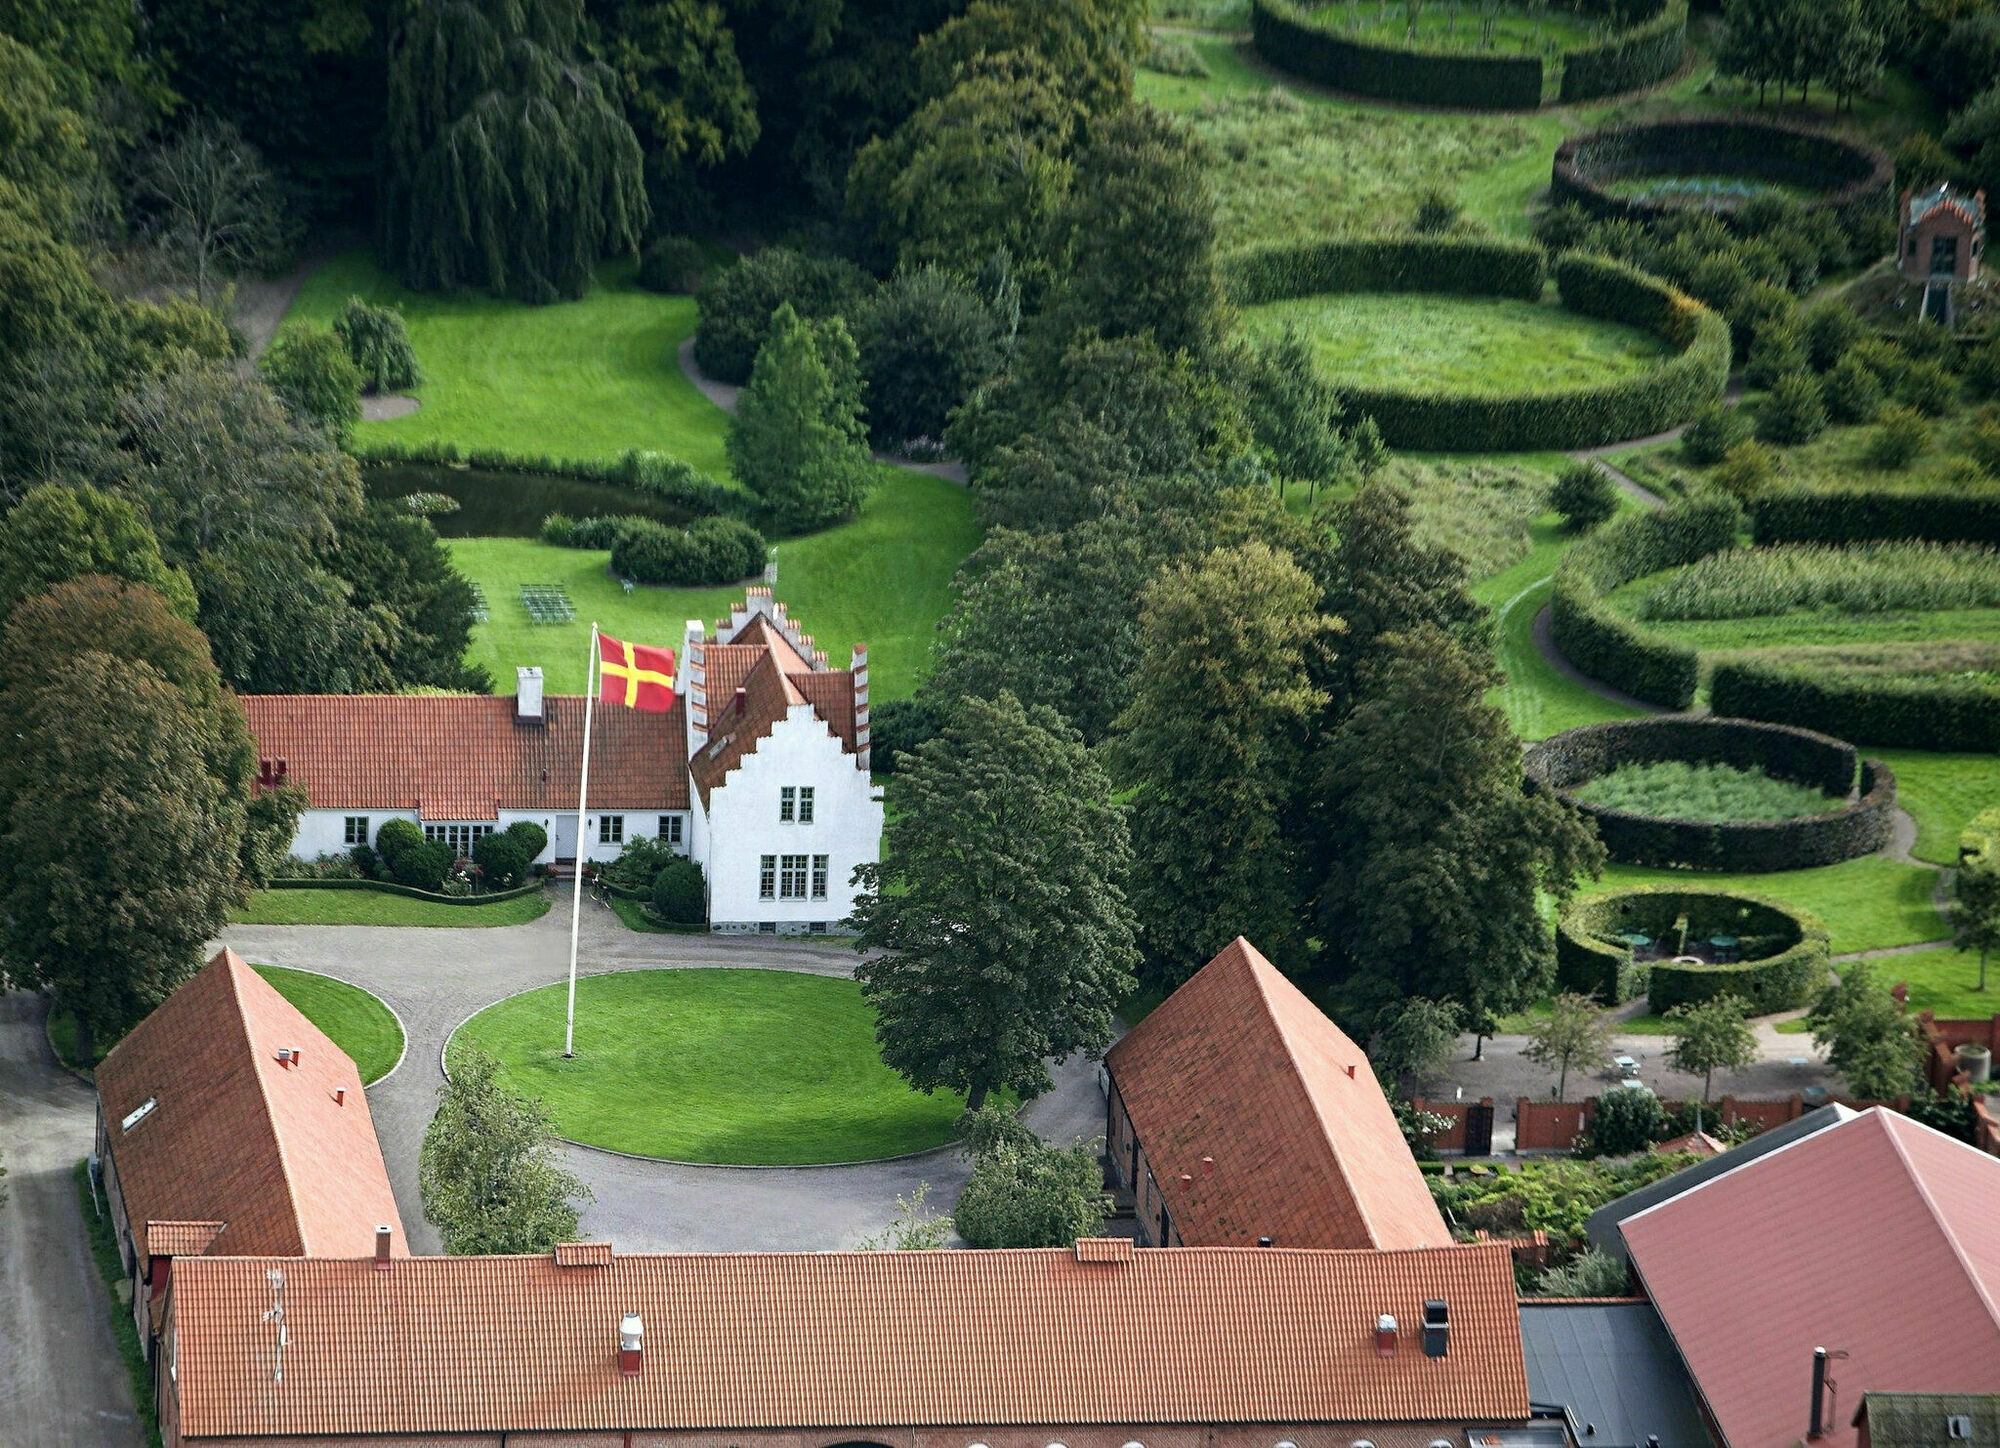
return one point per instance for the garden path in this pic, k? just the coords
(434, 979)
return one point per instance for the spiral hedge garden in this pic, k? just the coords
(1309, 43)
(1783, 951)
(1563, 762)
(1847, 177)
(1435, 420)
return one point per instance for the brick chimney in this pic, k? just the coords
(1385, 1335)
(631, 1345)
(382, 1238)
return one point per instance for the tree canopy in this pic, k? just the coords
(488, 1172)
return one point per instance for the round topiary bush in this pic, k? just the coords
(680, 894)
(1565, 762)
(1780, 953)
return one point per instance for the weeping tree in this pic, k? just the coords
(509, 164)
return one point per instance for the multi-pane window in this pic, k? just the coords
(459, 837)
(357, 829)
(767, 878)
(819, 877)
(805, 804)
(787, 804)
(792, 877)
(670, 829)
(611, 829)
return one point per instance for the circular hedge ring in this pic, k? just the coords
(1845, 176)
(1700, 944)
(1565, 761)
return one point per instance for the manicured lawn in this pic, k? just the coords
(369, 907)
(358, 1023)
(1942, 792)
(584, 379)
(1475, 344)
(747, 1067)
(1946, 981)
(1867, 904)
(883, 580)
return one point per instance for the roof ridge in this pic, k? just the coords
(1944, 1224)
(268, 1116)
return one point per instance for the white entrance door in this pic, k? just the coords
(565, 837)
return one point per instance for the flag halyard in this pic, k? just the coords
(637, 676)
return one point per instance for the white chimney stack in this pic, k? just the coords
(631, 1344)
(528, 696)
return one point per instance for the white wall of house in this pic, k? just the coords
(324, 831)
(744, 825)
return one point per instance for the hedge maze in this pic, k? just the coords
(1435, 420)
(1849, 829)
(1309, 42)
(1780, 954)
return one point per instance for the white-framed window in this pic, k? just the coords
(611, 829)
(767, 878)
(787, 804)
(819, 877)
(805, 804)
(460, 837)
(670, 829)
(792, 877)
(355, 830)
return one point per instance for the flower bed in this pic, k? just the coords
(1782, 951)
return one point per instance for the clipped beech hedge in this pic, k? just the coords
(1294, 38)
(1786, 949)
(1944, 712)
(1644, 55)
(1603, 642)
(1861, 515)
(1565, 761)
(1849, 177)
(1456, 265)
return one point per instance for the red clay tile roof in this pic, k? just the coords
(462, 756)
(845, 1340)
(1876, 1238)
(180, 1239)
(1238, 1065)
(234, 1136)
(769, 693)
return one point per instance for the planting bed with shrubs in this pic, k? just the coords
(1781, 951)
(1636, 832)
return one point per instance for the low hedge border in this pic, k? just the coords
(1949, 713)
(390, 887)
(1291, 37)
(652, 475)
(1590, 960)
(1651, 401)
(1862, 515)
(1600, 640)
(1850, 177)
(1564, 761)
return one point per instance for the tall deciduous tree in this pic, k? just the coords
(1416, 1039)
(1210, 745)
(488, 1171)
(213, 204)
(45, 152)
(1573, 1033)
(1090, 46)
(798, 440)
(999, 901)
(1710, 1036)
(681, 80)
(123, 797)
(1866, 1034)
(508, 161)
(1975, 911)
(57, 533)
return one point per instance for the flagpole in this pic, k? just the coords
(582, 794)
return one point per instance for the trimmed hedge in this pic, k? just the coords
(1860, 515)
(1561, 763)
(1644, 55)
(1601, 641)
(389, 887)
(1456, 265)
(1793, 945)
(1892, 711)
(706, 553)
(1850, 178)
(654, 474)
(1292, 38)
(1981, 835)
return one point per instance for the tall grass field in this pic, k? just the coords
(1715, 793)
(1870, 578)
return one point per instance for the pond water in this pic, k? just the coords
(508, 505)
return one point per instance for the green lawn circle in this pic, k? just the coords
(734, 1067)
(357, 1022)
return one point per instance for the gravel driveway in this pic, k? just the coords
(435, 978)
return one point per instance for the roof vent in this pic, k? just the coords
(1263, 1241)
(284, 1055)
(1437, 1328)
(528, 697)
(631, 1344)
(1385, 1335)
(1958, 1425)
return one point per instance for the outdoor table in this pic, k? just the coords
(1636, 940)
(1724, 946)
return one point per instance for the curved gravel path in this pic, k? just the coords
(434, 979)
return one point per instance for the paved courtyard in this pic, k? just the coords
(436, 978)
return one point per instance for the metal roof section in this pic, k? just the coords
(1615, 1373)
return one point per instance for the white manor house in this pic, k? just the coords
(759, 771)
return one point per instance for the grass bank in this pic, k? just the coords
(1868, 904)
(110, 1264)
(357, 1022)
(367, 907)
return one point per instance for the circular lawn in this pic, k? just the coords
(736, 1067)
(356, 1021)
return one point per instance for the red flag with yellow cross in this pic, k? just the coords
(635, 675)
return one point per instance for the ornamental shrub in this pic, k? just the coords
(501, 858)
(734, 307)
(1714, 431)
(673, 264)
(1928, 386)
(1899, 438)
(1027, 1194)
(1795, 411)
(532, 838)
(1745, 470)
(1585, 496)
(901, 726)
(409, 858)
(1982, 443)
(1624, 1122)
(1830, 328)
(706, 553)
(1853, 391)
(1778, 350)
(680, 893)
(309, 369)
(393, 838)
(925, 341)
(379, 342)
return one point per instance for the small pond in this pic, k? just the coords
(508, 505)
